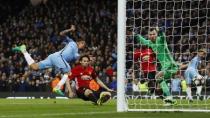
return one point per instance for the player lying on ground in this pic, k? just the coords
(192, 76)
(88, 85)
(58, 59)
(169, 67)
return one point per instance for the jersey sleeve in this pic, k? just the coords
(142, 40)
(136, 55)
(162, 37)
(74, 73)
(68, 39)
(77, 55)
(94, 75)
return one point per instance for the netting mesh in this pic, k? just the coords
(186, 24)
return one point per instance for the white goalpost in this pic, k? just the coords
(186, 24)
(121, 36)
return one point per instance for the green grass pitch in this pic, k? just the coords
(75, 108)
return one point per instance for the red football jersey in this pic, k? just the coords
(82, 76)
(147, 58)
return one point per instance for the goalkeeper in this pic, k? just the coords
(157, 41)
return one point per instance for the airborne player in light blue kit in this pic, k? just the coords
(192, 75)
(58, 59)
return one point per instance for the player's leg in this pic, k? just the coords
(189, 82)
(64, 67)
(199, 81)
(91, 96)
(189, 93)
(199, 90)
(29, 59)
(57, 89)
(62, 81)
(86, 94)
(162, 83)
(104, 97)
(158, 90)
(169, 73)
(151, 83)
(161, 77)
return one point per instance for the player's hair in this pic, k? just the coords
(84, 56)
(79, 39)
(202, 50)
(152, 29)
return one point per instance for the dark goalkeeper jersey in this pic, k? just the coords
(160, 47)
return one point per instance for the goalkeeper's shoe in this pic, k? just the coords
(169, 102)
(191, 100)
(58, 91)
(21, 48)
(199, 97)
(103, 98)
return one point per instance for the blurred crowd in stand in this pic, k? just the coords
(38, 27)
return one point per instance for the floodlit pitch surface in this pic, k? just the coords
(75, 108)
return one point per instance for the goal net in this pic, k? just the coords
(186, 25)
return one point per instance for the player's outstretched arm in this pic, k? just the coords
(103, 85)
(183, 65)
(142, 40)
(160, 32)
(71, 93)
(72, 29)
